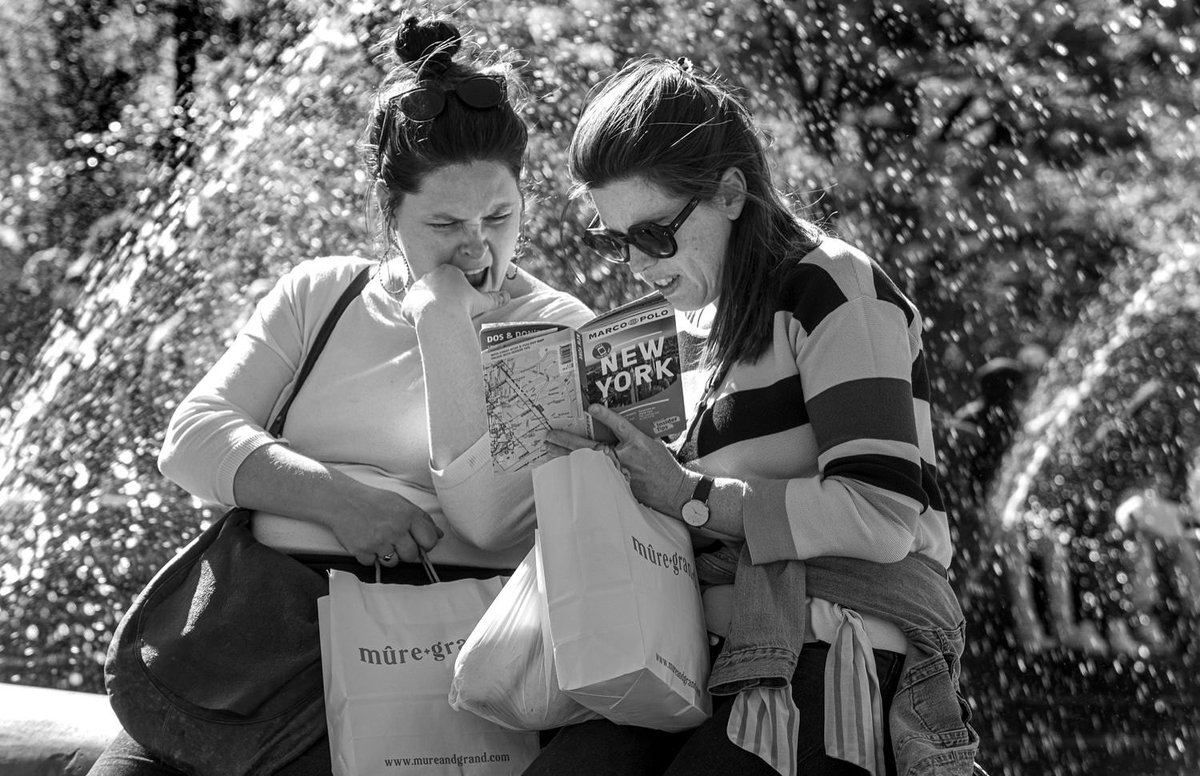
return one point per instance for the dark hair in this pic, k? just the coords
(402, 152)
(680, 130)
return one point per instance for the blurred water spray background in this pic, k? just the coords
(1027, 170)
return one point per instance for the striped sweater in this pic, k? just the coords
(831, 426)
(830, 430)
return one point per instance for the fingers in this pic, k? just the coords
(406, 549)
(567, 441)
(424, 533)
(625, 431)
(398, 539)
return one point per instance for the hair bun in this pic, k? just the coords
(427, 43)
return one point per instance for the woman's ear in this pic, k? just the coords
(731, 193)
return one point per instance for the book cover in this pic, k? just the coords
(540, 376)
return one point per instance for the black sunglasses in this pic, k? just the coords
(654, 240)
(425, 103)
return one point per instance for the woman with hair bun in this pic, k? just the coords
(386, 455)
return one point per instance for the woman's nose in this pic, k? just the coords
(638, 261)
(472, 240)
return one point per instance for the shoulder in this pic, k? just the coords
(311, 288)
(831, 275)
(325, 272)
(545, 303)
(321, 280)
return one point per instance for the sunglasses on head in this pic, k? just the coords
(655, 240)
(427, 102)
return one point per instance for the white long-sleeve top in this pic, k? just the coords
(361, 410)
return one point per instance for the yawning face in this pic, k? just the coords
(465, 215)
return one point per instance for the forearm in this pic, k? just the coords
(492, 512)
(802, 518)
(810, 517)
(454, 389)
(726, 519)
(277, 479)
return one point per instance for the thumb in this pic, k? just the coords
(621, 428)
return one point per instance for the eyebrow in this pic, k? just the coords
(448, 216)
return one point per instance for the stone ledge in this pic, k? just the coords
(47, 732)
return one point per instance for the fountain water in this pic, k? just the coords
(1086, 655)
(85, 518)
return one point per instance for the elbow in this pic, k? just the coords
(895, 551)
(178, 457)
(893, 543)
(491, 514)
(168, 458)
(170, 455)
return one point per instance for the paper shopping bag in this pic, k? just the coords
(502, 672)
(390, 652)
(622, 599)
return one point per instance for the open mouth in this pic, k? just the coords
(667, 285)
(478, 278)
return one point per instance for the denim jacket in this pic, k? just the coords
(929, 717)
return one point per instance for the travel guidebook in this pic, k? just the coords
(540, 376)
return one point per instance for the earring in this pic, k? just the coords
(518, 254)
(393, 252)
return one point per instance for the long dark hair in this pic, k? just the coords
(660, 121)
(402, 152)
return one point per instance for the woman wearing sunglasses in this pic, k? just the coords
(386, 457)
(807, 474)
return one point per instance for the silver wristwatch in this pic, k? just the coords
(695, 509)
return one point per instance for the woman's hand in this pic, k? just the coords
(384, 526)
(654, 475)
(446, 287)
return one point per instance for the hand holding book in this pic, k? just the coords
(656, 478)
(542, 376)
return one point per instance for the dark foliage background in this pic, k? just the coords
(163, 161)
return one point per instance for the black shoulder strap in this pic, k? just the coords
(318, 345)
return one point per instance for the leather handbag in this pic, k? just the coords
(216, 666)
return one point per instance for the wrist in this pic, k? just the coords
(683, 493)
(436, 314)
(695, 511)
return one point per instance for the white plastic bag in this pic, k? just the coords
(502, 672)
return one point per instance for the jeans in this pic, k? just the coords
(602, 748)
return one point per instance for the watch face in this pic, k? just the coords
(695, 513)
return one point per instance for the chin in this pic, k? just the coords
(687, 302)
